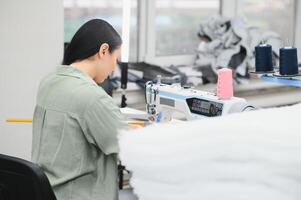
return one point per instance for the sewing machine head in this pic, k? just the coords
(162, 101)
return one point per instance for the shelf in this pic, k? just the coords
(293, 81)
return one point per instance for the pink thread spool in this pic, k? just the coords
(224, 88)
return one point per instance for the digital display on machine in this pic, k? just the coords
(204, 107)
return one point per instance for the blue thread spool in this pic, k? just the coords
(288, 61)
(263, 58)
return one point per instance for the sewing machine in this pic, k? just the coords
(162, 101)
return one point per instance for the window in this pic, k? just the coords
(177, 22)
(270, 15)
(77, 12)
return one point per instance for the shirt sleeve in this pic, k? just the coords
(103, 119)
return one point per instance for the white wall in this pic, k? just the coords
(31, 45)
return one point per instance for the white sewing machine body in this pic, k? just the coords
(164, 100)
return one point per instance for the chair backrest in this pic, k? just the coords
(23, 180)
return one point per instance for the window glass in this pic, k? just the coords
(177, 23)
(270, 15)
(77, 12)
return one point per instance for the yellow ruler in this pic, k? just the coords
(22, 120)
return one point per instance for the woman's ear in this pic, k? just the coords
(104, 48)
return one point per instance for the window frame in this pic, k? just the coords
(147, 38)
(146, 50)
(146, 32)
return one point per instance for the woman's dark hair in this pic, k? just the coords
(88, 39)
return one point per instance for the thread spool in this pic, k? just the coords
(288, 61)
(224, 88)
(263, 59)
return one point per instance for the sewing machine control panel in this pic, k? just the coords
(204, 107)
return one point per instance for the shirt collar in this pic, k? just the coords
(68, 70)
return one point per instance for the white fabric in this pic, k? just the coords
(246, 156)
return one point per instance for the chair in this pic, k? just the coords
(23, 180)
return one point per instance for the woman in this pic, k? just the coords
(75, 122)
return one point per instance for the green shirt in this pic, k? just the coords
(75, 136)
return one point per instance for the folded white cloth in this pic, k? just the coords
(245, 156)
